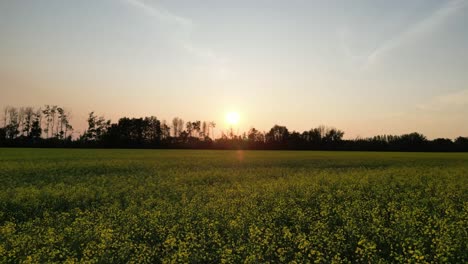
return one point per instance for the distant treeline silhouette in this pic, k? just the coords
(50, 127)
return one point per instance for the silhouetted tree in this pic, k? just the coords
(5, 115)
(24, 127)
(212, 124)
(63, 123)
(28, 120)
(52, 115)
(166, 130)
(461, 143)
(46, 113)
(189, 127)
(196, 126)
(3, 137)
(254, 135)
(180, 125)
(12, 127)
(36, 130)
(21, 116)
(333, 135)
(175, 126)
(277, 134)
(204, 130)
(97, 126)
(151, 128)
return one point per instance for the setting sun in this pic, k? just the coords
(232, 118)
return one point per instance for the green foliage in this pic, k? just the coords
(159, 206)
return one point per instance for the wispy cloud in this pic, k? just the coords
(184, 28)
(459, 98)
(161, 13)
(415, 30)
(454, 100)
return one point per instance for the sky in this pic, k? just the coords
(367, 67)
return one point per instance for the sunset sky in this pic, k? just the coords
(366, 67)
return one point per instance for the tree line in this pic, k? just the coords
(50, 126)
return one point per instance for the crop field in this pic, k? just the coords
(160, 206)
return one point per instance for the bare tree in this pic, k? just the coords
(196, 126)
(204, 132)
(97, 126)
(66, 122)
(36, 130)
(212, 124)
(180, 126)
(46, 113)
(53, 112)
(166, 130)
(20, 120)
(175, 126)
(5, 115)
(28, 119)
(60, 122)
(189, 128)
(63, 123)
(13, 124)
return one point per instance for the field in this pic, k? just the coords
(156, 206)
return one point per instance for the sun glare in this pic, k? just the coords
(232, 118)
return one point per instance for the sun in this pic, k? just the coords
(232, 118)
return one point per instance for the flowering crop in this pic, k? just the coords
(160, 206)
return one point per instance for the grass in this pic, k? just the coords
(64, 205)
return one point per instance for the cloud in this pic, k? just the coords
(161, 13)
(459, 98)
(182, 37)
(422, 27)
(452, 101)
